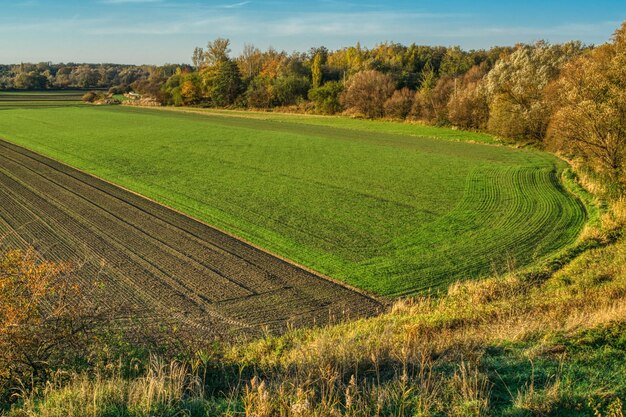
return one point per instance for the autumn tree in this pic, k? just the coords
(197, 58)
(250, 61)
(468, 107)
(367, 92)
(43, 323)
(399, 105)
(216, 51)
(590, 96)
(316, 70)
(515, 87)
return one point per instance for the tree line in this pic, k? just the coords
(45, 75)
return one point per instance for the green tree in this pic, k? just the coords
(226, 85)
(326, 97)
(455, 62)
(289, 89)
(259, 93)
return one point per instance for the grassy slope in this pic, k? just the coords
(353, 199)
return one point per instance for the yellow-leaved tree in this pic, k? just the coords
(590, 97)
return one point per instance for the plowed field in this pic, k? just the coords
(155, 259)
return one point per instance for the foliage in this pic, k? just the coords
(290, 89)
(326, 97)
(43, 322)
(468, 106)
(367, 93)
(54, 76)
(590, 97)
(225, 86)
(316, 69)
(399, 105)
(515, 87)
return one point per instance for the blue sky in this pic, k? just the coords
(166, 31)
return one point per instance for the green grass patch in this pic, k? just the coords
(380, 126)
(388, 207)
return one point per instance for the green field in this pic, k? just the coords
(392, 208)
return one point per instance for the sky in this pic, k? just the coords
(167, 31)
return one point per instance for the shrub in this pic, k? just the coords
(90, 97)
(367, 93)
(400, 104)
(326, 97)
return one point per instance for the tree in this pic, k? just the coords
(430, 103)
(455, 62)
(590, 96)
(326, 97)
(31, 81)
(259, 93)
(289, 89)
(216, 51)
(515, 87)
(191, 89)
(198, 57)
(367, 92)
(226, 85)
(43, 322)
(316, 70)
(249, 61)
(468, 107)
(400, 104)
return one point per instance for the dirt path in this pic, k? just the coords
(156, 259)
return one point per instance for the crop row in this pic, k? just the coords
(152, 257)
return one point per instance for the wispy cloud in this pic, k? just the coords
(234, 5)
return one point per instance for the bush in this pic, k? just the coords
(326, 97)
(400, 104)
(90, 97)
(367, 93)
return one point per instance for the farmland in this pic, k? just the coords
(394, 209)
(35, 99)
(160, 263)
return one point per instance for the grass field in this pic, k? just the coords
(392, 208)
